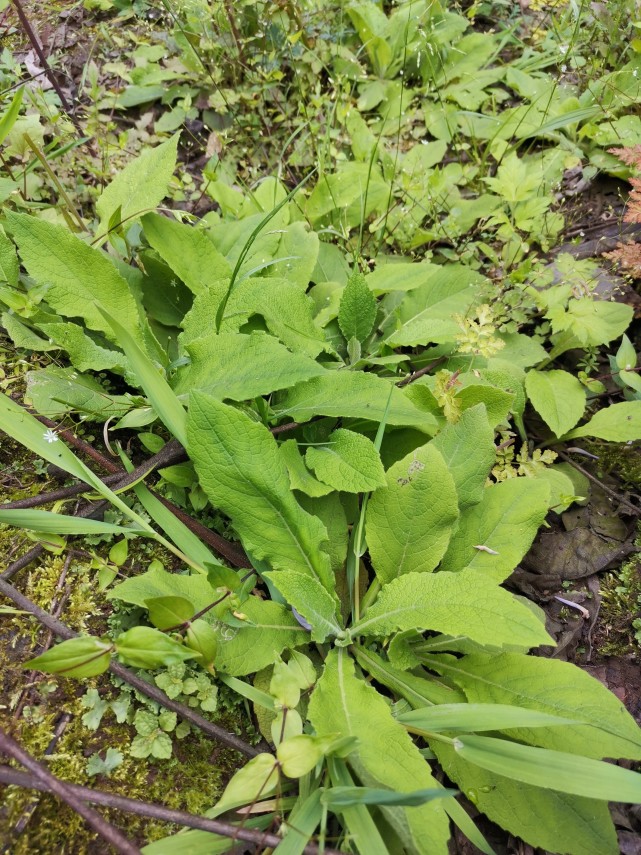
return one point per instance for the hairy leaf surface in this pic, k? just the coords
(348, 462)
(243, 475)
(465, 603)
(505, 522)
(410, 520)
(341, 703)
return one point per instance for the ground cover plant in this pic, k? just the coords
(367, 435)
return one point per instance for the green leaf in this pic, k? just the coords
(243, 475)
(270, 629)
(160, 394)
(299, 475)
(299, 754)
(399, 276)
(554, 770)
(84, 656)
(144, 647)
(55, 391)
(48, 522)
(256, 780)
(9, 267)
(141, 185)
(616, 423)
(626, 356)
(553, 821)
(352, 394)
(465, 603)
(203, 639)
(410, 521)
(97, 766)
(81, 279)
(386, 757)
(301, 824)
(158, 583)
(10, 115)
(498, 403)
(168, 612)
(554, 687)
(347, 462)
(426, 314)
(593, 322)
(84, 353)
(470, 718)
(239, 367)
(23, 336)
(310, 599)
(495, 534)
(357, 312)
(187, 250)
(467, 448)
(558, 397)
(362, 828)
(339, 797)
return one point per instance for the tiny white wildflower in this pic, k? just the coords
(564, 68)
(563, 49)
(635, 72)
(50, 435)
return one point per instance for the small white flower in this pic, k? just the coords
(564, 68)
(563, 49)
(50, 436)
(635, 72)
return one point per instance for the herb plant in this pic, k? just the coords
(346, 434)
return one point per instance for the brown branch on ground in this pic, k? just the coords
(108, 832)
(154, 811)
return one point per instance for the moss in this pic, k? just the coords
(621, 459)
(621, 611)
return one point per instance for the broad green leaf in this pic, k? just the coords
(141, 185)
(553, 821)
(331, 512)
(354, 191)
(465, 603)
(357, 311)
(239, 367)
(168, 612)
(243, 475)
(46, 521)
(80, 657)
(498, 403)
(145, 647)
(426, 314)
(343, 704)
(299, 475)
(593, 322)
(160, 394)
(495, 534)
(338, 797)
(286, 309)
(471, 718)
(81, 279)
(310, 599)
(554, 687)
(54, 391)
(9, 267)
(23, 336)
(187, 250)
(410, 521)
(270, 629)
(351, 394)
(299, 247)
(84, 353)
(256, 780)
(626, 356)
(558, 397)
(348, 462)
(299, 754)
(616, 423)
(467, 448)
(554, 770)
(399, 276)
(158, 583)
